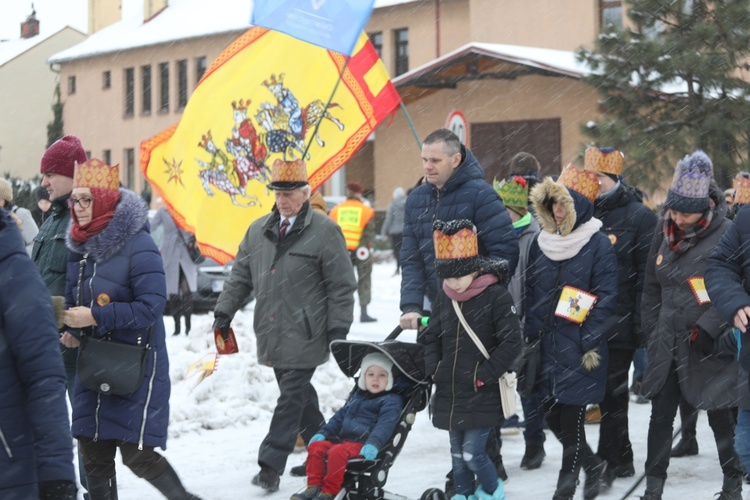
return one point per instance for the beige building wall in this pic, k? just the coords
(97, 115)
(27, 87)
(398, 156)
(102, 13)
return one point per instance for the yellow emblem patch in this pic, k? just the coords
(659, 258)
(612, 238)
(103, 299)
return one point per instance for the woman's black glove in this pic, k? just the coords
(58, 489)
(222, 323)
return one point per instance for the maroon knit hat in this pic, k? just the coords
(62, 156)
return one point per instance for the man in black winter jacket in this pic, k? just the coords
(629, 225)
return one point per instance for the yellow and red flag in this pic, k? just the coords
(260, 100)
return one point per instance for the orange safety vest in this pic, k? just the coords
(352, 216)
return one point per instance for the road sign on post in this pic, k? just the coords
(457, 123)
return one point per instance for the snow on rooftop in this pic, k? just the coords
(182, 19)
(10, 49)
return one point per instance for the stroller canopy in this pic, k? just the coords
(407, 357)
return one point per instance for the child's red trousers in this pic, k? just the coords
(326, 463)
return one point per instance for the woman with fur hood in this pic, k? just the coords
(116, 287)
(571, 290)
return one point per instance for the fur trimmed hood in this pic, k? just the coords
(544, 194)
(131, 216)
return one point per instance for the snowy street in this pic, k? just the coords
(216, 428)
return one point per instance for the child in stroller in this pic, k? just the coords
(373, 423)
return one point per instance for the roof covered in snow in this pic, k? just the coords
(182, 19)
(10, 49)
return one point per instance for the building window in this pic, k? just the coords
(129, 91)
(164, 87)
(130, 168)
(182, 89)
(107, 156)
(611, 14)
(106, 79)
(71, 85)
(401, 41)
(146, 86)
(377, 42)
(200, 68)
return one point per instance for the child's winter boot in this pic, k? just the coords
(307, 494)
(459, 497)
(498, 494)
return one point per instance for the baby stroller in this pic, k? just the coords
(364, 480)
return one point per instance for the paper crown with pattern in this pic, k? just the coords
(288, 175)
(94, 173)
(514, 192)
(691, 183)
(605, 160)
(456, 248)
(741, 185)
(583, 182)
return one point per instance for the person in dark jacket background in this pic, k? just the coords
(467, 401)
(684, 328)
(359, 428)
(728, 285)
(116, 288)
(515, 195)
(34, 423)
(454, 188)
(571, 257)
(629, 225)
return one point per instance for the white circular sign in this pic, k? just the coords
(457, 123)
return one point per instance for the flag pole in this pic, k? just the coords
(325, 110)
(411, 124)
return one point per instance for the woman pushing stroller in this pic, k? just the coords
(467, 400)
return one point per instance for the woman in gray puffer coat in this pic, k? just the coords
(393, 226)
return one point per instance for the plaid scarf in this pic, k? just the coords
(681, 241)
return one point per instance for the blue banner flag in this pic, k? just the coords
(333, 24)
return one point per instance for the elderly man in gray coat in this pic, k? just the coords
(296, 261)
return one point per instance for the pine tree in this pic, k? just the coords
(676, 82)
(55, 127)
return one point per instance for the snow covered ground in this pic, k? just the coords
(216, 427)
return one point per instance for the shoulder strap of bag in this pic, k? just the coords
(468, 329)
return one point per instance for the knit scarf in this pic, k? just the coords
(104, 202)
(477, 286)
(558, 248)
(681, 241)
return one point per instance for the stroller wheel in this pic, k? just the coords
(433, 494)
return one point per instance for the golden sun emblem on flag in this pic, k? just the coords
(174, 171)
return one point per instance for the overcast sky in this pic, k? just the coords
(52, 15)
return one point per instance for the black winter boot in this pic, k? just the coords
(102, 488)
(170, 485)
(566, 486)
(594, 467)
(363, 317)
(187, 324)
(176, 325)
(731, 489)
(687, 446)
(654, 488)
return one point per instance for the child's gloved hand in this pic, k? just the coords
(316, 437)
(369, 452)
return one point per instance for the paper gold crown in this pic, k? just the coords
(581, 181)
(607, 163)
(460, 245)
(741, 185)
(94, 173)
(287, 175)
(514, 192)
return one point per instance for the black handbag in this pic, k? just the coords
(192, 247)
(530, 366)
(110, 367)
(107, 366)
